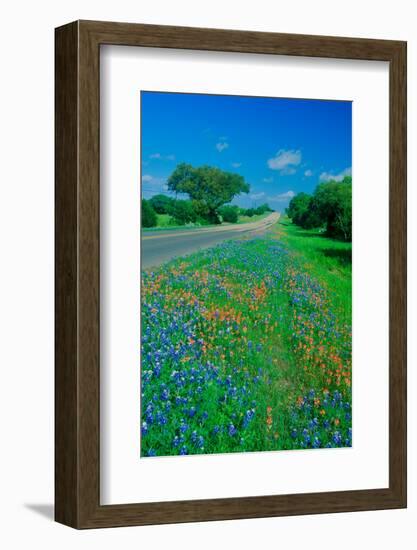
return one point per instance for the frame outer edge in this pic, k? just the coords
(66, 275)
(88, 274)
(398, 275)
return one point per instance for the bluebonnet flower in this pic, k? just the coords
(151, 452)
(161, 418)
(248, 417)
(144, 428)
(313, 424)
(165, 394)
(183, 450)
(232, 430)
(183, 426)
(191, 412)
(337, 438)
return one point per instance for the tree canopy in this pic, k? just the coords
(183, 212)
(330, 207)
(208, 187)
(162, 204)
(229, 213)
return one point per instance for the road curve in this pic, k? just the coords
(159, 247)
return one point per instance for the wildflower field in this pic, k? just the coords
(246, 346)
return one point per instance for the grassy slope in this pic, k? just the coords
(328, 260)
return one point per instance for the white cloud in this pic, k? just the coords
(161, 157)
(268, 180)
(285, 161)
(328, 176)
(282, 197)
(147, 177)
(257, 196)
(288, 171)
(221, 146)
(308, 173)
(236, 164)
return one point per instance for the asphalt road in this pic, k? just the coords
(161, 246)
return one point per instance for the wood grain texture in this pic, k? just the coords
(78, 284)
(66, 254)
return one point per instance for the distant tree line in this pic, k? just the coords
(210, 191)
(230, 213)
(329, 208)
(183, 212)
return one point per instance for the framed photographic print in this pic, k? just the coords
(230, 274)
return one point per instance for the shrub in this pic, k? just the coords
(149, 218)
(183, 212)
(262, 209)
(229, 213)
(162, 204)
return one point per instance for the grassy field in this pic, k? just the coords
(328, 260)
(246, 346)
(164, 220)
(249, 219)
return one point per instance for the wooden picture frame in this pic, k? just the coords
(77, 405)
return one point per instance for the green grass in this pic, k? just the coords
(256, 218)
(164, 220)
(328, 260)
(247, 347)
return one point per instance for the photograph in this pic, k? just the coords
(246, 274)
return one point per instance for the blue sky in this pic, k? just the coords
(280, 146)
